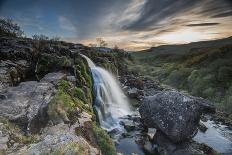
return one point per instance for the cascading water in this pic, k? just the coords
(110, 102)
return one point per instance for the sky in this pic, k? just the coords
(129, 24)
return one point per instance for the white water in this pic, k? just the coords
(110, 102)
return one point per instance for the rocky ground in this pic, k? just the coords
(46, 99)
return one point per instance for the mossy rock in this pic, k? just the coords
(63, 107)
(104, 141)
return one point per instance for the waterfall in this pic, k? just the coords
(110, 102)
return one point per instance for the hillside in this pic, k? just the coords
(202, 69)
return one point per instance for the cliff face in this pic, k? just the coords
(46, 98)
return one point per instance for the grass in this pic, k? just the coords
(205, 72)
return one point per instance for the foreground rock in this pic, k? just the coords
(27, 103)
(176, 115)
(167, 147)
(61, 139)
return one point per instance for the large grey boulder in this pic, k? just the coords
(27, 103)
(61, 139)
(176, 115)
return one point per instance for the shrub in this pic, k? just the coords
(224, 74)
(9, 28)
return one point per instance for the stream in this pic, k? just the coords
(113, 110)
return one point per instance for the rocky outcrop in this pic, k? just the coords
(174, 114)
(27, 103)
(12, 72)
(61, 139)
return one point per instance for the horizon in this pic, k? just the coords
(132, 25)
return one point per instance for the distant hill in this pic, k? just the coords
(201, 68)
(183, 48)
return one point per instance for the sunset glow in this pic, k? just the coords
(130, 24)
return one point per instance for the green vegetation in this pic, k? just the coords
(64, 104)
(104, 141)
(205, 72)
(9, 28)
(48, 63)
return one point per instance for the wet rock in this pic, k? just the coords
(202, 127)
(167, 147)
(174, 114)
(128, 125)
(149, 148)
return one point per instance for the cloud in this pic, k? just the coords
(66, 24)
(128, 23)
(224, 14)
(203, 24)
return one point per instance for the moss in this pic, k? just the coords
(63, 106)
(79, 93)
(84, 78)
(104, 141)
(71, 148)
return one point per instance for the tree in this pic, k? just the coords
(55, 39)
(9, 28)
(92, 45)
(40, 37)
(101, 42)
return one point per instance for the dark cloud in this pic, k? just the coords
(157, 11)
(202, 24)
(154, 12)
(224, 14)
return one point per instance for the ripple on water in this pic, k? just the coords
(216, 136)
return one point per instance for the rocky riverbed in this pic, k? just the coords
(163, 129)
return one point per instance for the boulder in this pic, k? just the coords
(59, 139)
(27, 103)
(174, 114)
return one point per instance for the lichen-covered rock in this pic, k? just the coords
(174, 114)
(60, 139)
(12, 73)
(27, 103)
(4, 137)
